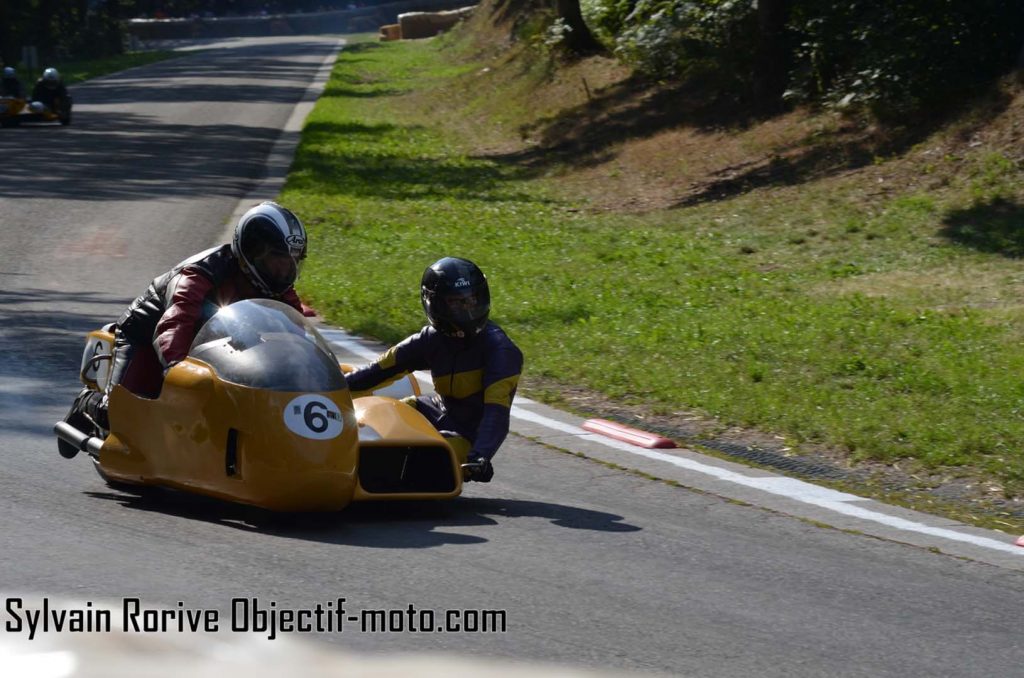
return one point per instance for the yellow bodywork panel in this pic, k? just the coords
(261, 447)
(210, 436)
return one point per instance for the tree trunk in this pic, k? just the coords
(579, 40)
(771, 69)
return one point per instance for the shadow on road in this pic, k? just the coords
(208, 76)
(127, 152)
(41, 345)
(38, 336)
(133, 157)
(396, 524)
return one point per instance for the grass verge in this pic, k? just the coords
(883, 324)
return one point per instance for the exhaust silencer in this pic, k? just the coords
(70, 434)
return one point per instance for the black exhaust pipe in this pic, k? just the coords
(85, 443)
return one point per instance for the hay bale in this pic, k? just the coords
(391, 32)
(428, 24)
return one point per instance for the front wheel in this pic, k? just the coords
(64, 111)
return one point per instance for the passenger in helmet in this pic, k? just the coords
(50, 91)
(262, 260)
(475, 366)
(10, 86)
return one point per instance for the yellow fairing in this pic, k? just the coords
(402, 456)
(210, 436)
(10, 107)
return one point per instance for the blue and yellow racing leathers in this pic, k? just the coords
(474, 381)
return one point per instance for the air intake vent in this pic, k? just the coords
(393, 470)
(231, 453)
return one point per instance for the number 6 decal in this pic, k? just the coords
(313, 416)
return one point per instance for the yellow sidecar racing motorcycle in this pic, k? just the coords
(14, 111)
(10, 110)
(259, 413)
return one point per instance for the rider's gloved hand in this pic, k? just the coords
(479, 469)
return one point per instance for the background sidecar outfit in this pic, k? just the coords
(475, 366)
(263, 260)
(10, 86)
(49, 90)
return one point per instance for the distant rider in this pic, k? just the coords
(263, 260)
(474, 365)
(49, 90)
(10, 86)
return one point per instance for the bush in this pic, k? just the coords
(666, 38)
(893, 57)
(901, 56)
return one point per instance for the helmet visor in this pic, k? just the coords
(464, 303)
(279, 270)
(467, 310)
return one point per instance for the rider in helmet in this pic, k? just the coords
(11, 86)
(49, 90)
(263, 260)
(474, 365)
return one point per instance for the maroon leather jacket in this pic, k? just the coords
(174, 307)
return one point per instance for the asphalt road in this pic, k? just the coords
(594, 567)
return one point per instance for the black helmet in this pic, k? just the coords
(270, 244)
(455, 297)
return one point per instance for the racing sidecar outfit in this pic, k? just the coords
(49, 96)
(157, 329)
(11, 87)
(474, 379)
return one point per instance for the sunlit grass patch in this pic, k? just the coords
(827, 310)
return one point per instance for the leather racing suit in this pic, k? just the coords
(157, 329)
(474, 379)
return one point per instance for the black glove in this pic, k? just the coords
(479, 469)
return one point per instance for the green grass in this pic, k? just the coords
(79, 71)
(812, 311)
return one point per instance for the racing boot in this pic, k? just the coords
(87, 414)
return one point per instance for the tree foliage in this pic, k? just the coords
(902, 56)
(891, 56)
(61, 29)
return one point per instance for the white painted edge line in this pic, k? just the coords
(791, 488)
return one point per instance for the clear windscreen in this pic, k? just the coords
(266, 344)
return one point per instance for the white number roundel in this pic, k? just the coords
(313, 416)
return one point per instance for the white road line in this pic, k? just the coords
(791, 488)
